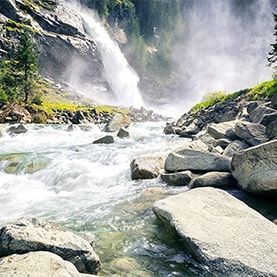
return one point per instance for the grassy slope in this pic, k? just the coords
(261, 91)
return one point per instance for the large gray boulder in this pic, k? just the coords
(256, 168)
(118, 121)
(257, 116)
(222, 232)
(214, 179)
(177, 178)
(271, 130)
(190, 159)
(147, 166)
(252, 133)
(234, 147)
(274, 100)
(31, 234)
(41, 264)
(222, 130)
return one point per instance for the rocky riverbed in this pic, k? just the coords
(214, 191)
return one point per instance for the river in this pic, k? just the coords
(59, 175)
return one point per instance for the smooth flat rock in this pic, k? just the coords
(177, 178)
(31, 234)
(147, 166)
(256, 169)
(222, 232)
(190, 159)
(222, 130)
(214, 179)
(40, 264)
(251, 133)
(104, 140)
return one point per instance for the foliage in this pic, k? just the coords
(37, 100)
(26, 58)
(263, 90)
(3, 97)
(209, 100)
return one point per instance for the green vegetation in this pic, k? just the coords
(259, 92)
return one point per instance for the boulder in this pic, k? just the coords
(8, 8)
(190, 130)
(215, 179)
(123, 133)
(190, 159)
(169, 128)
(234, 147)
(46, 263)
(218, 149)
(222, 232)
(259, 113)
(182, 178)
(271, 130)
(268, 118)
(252, 133)
(118, 121)
(15, 113)
(274, 100)
(224, 112)
(16, 130)
(256, 169)
(147, 167)
(104, 140)
(222, 143)
(222, 130)
(31, 234)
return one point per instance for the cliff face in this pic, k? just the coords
(60, 36)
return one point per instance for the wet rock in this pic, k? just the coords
(31, 234)
(16, 130)
(178, 178)
(190, 159)
(271, 130)
(222, 130)
(123, 133)
(46, 263)
(104, 140)
(252, 133)
(234, 147)
(118, 121)
(221, 180)
(147, 167)
(222, 232)
(259, 113)
(256, 169)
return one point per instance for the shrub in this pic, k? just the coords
(37, 100)
(3, 97)
(263, 90)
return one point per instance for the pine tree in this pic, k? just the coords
(272, 59)
(26, 62)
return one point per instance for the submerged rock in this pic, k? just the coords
(147, 167)
(222, 232)
(16, 130)
(31, 234)
(215, 179)
(104, 140)
(46, 263)
(256, 169)
(178, 178)
(190, 159)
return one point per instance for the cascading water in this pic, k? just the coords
(122, 79)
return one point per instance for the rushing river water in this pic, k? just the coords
(60, 175)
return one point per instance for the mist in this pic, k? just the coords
(225, 47)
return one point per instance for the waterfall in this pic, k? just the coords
(123, 80)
